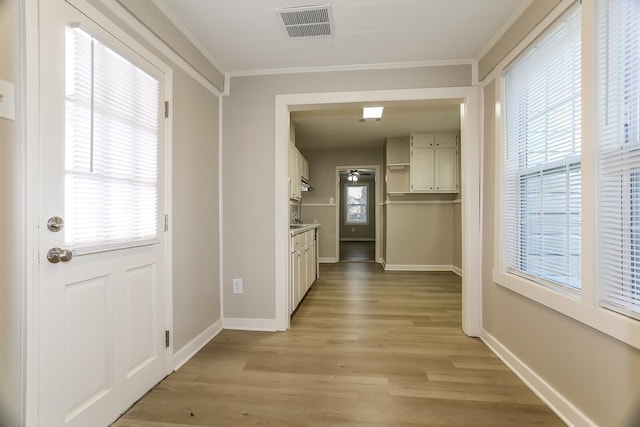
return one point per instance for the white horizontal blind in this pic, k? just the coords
(356, 204)
(542, 178)
(111, 148)
(619, 155)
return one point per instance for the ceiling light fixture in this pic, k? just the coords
(371, 114)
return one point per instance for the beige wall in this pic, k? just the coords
(154, 19)
(522, 26)
(249, 210)
(196, 257)
(326, 217)
(596, 373)
(11, 247)
(419, 234)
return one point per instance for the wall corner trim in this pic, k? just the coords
(242, 324)
(559, 404)
(456, 270)
(183, 355)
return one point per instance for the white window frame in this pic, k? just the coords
(346, 206)
(584, 309)
(617, 280)
(529, 162)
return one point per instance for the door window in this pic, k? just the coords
(111, 148)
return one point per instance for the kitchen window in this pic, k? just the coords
(542, 164)
(356, 204)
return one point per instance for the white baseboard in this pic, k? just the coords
(249, 324)
(358, 239)
(456, 270)
(549, 395)
(417, 267)
(190, 349)
(327, 260)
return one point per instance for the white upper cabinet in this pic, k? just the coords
(434, 163)
(295, 190)
(298, 168)
(446, 163)
(303, 165)
(421, 162)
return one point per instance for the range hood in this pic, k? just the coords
(306, 186)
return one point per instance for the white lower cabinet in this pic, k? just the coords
(304, 266)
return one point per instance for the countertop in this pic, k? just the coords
(296, 229)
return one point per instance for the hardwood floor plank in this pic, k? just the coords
(366, 348)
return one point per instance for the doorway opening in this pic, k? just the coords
(471, 158)
(357, 218)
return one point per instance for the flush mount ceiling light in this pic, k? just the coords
(371, 114)
(307, 21)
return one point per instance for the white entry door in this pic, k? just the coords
(102, 313)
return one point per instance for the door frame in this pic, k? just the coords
(30, 88)
(376, 208)
(471, 157)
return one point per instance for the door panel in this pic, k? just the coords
(88, 342)
(141, 317)
(101, 315)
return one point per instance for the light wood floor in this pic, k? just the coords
(365, 348)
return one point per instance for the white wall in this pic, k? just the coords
(248, 198)
(11, 247)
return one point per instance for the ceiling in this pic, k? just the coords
(339, 126)
(243, 36)
(246, 37)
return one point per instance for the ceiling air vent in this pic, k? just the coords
(307, 21)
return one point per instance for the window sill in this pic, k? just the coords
(608, 322)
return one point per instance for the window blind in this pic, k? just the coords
(619, 155)
(111, 148)
(356, 204)
(542, 176)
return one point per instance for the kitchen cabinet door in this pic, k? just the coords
(295, 191)
(313, 260)
(446, 169)
(303, 166)
(446, 162)
(422, 160)
(434, 163)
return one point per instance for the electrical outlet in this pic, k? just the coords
(330, 200)
(237, 286)
(353, 230)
